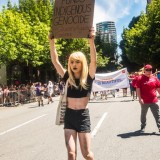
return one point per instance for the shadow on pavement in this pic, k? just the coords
(35, 106)
(103, 101)
(108, 101)
(126, 101)
(137, 133)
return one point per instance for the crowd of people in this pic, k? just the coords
(21, 93)
(25, 93)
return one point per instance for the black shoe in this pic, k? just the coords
(143, 129)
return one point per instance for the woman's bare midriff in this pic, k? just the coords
(77, 103)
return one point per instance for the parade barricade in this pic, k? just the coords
(17, 97)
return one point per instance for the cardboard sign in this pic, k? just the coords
(72, 18)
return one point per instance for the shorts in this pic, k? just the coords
(132, 88)
(39, 98)
(78, 120)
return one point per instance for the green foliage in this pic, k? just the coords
(20, 41)
(106, 53)
(68, 46)
(37, 10)
(24, 35)
(141, 42)
(101, 60)
(12, 29)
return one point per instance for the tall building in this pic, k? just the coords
(149, 1)
(107, 31)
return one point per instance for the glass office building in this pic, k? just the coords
(107, 31)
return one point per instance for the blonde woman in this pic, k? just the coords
(80, 78)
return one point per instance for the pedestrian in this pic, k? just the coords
(130, 78)
(61, 87)
(39, 94)
(33, 91)
(133, 84)
(6, 98)
(146, 87)
(1, 96)
(80, 78)
(50, 91)
(103, 94)
(124, 92)
(94, 95)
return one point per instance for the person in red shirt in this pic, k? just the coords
(146, 88)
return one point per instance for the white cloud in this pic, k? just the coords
(111, 10)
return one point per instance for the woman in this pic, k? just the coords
(80, 78)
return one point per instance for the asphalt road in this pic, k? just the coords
(28, 132)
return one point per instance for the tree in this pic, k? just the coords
(142, 40)
(37, 10)
(24, 38)
(108, 52)
(126, 62)
(153, 15)
(21, 42)
(65, 47)
(24, 32)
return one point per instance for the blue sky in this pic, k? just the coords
(119, 11)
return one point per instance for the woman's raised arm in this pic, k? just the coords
(93, 56)
(54, 57)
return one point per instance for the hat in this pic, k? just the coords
(148, 66)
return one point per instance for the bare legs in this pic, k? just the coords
(71, 141)
(85, 144)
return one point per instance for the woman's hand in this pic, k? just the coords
(51, 36)
(92, 34)
(141, 101)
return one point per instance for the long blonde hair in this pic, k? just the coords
(84, 73)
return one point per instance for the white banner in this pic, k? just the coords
(110, 81)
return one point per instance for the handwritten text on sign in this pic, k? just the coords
(72, 18)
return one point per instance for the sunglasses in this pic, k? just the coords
(148, 70)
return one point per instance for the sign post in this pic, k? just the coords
(72, 18)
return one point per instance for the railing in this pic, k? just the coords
(14, 98)
(21, 96)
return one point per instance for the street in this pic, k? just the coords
(28, 132)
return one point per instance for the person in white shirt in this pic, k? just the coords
(50, 91)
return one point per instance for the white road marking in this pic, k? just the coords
(94, 132)
(9, 130)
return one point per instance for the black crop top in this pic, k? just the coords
(78, 92)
